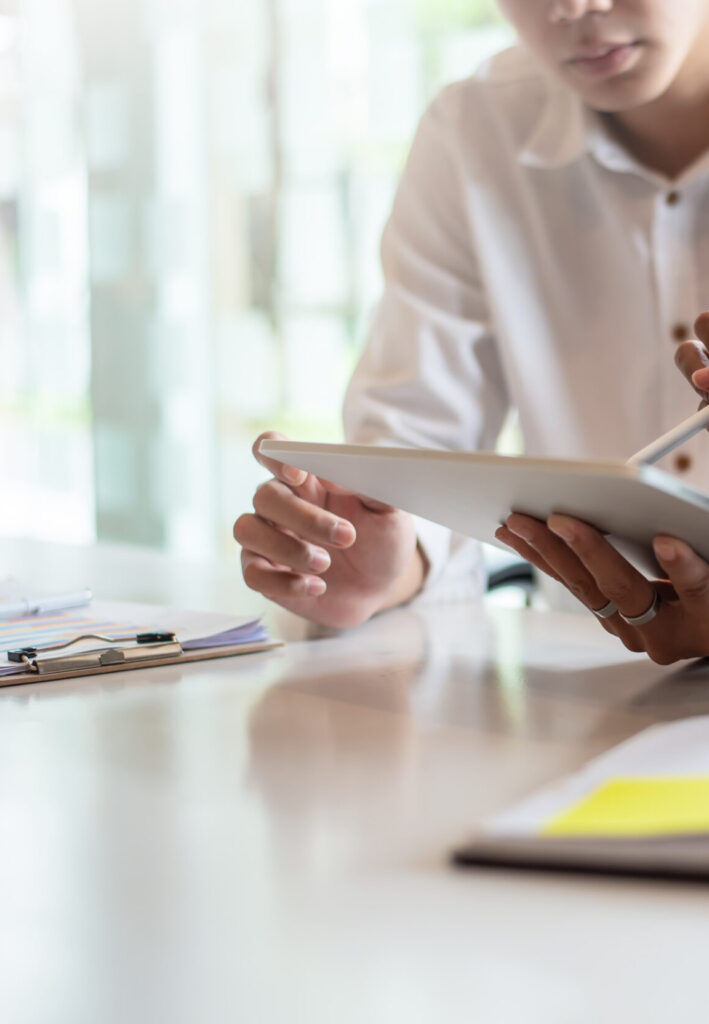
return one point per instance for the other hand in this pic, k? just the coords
(692, 357)
(325, 553)
(579, 557)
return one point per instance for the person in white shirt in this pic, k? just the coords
(547, 251)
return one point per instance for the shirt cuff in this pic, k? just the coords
(456, 568)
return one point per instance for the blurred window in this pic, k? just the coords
(190, 209)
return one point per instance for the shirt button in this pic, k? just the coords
(680, 332)
(672, 198)
(682, 463)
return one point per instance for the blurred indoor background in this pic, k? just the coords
(191, 198)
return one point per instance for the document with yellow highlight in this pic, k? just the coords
(638, 806)
(642, 808)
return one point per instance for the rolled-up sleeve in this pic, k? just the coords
(430, 375)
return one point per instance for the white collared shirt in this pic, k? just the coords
(532, 263)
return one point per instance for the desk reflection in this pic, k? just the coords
(360, 733)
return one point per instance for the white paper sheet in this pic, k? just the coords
(675, 749)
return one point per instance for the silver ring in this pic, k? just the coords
(647, 616)
(606, 611)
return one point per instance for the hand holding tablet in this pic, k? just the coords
(512, 499)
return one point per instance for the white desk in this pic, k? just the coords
(265, 838)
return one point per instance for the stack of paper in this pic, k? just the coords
(643, 808)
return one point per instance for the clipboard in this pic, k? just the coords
(474, 492)
(156, 659)
(66, 645)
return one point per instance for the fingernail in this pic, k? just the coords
(342, 533)
(521, 529)
(700, 378)
(564, 529)
(665, 549)
(319, 560)
(315, 586)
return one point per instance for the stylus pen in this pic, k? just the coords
(672, 439)
(43, 605)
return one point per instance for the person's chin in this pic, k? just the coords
(618, 94)
(645, 80)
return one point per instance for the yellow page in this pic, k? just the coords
(638, 806)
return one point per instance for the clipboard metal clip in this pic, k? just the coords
(151, 647)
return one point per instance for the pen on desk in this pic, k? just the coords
(672, 439)
(43, 605)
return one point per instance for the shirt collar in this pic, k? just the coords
(566, 130)
(558, 136)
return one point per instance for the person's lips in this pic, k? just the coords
(604, 58)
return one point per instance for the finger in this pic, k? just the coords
(532, 556)
(290, 474)
(277, 502)
(692, 359)
(688, 572)
(689, 575)
(280, 548)
(562, 560)
(274, 583)
(701, 328)
(615, 577)
(592, 598)
(523, 549)
(700, 381)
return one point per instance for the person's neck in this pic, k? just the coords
(671, 133)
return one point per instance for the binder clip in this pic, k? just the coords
(150, 647)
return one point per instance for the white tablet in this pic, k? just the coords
(473, 492)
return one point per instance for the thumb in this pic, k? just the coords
(688, 572)
(372, 504)
(692, 360)
(700, 376)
